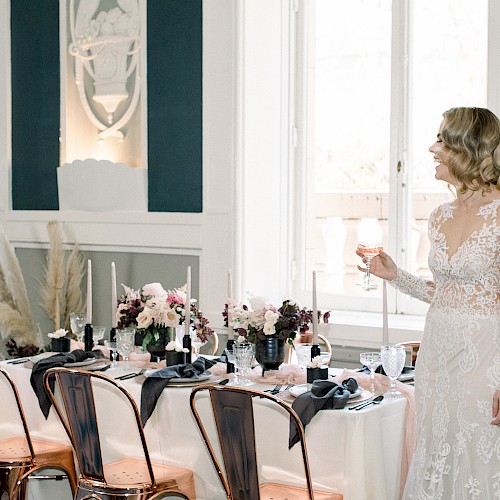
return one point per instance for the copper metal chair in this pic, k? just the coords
(324, 344)
(413, 346)
(104, 426)
(20, 454)
(212, 346)
(233, 413)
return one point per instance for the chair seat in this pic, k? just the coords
(15, 450)
(275, 491)
(134, 473)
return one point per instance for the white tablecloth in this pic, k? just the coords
(354, 452)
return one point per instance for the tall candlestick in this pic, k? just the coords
(230, 331)
(188, 301)
(114, 321)
(315, 339)
(385, 323)
(89, 292)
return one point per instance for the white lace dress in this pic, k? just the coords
(458, 367)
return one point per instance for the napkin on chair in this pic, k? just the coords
(154, 384)
(324, 394)
(44, 364)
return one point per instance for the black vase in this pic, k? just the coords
(270, 353)
(157, 350)
(61, 344)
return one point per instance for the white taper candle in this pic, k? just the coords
(89, 292)
(315, 339)
(188, 302)
(385, 323)
(114, 321)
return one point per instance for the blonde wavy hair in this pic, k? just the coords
(472, 140)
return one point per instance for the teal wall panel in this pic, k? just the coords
(175, 105)
(35, 104)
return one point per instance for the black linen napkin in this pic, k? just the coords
(40, 367)
(154, 384)
(324, 394)
(380, 369)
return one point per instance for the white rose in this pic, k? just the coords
(144, 318)
(269, 329)
(58, 333)
(171, 346)
(271, 317)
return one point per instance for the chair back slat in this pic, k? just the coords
(78, 399)
(235, 423)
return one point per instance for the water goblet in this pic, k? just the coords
(393, 361)
(303, 354)
(77, 322)
(111, 346)
(372, 361)
(98, 333)
(244, 353)
(125, 344)
(369, 251)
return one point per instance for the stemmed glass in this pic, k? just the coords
(372, 361)
(111, 346)
(196, 343)
(77, 322)
(231, 358)
(393, 361)
(98, 333)
(369, 250)
(244, 353)
(125, 344)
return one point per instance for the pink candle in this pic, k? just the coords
(188, 302)
(315, 339)
(114, 321)
(89, 292)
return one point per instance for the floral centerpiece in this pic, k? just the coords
(153, 309)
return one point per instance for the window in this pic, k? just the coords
(373, 79)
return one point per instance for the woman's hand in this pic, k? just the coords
(382, 266)
(495, 409)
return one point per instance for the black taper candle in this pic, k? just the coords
(315, 351)
(88, 337)
(186, 343)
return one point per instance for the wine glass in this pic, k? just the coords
(231, 358)
(111, 346)
(125, 344)
(372, 361)
(393, 360)
(77, 322)
(303, 354)
(98, 333)
(196, 343)
(244, 353)
(369, 250)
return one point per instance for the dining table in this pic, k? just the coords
(356, 453)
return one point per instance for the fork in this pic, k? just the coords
(275, 390)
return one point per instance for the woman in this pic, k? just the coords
(457, 382)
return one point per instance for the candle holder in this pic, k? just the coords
(186, 343)
(315, 351)
(317, 373)
(88, 337)
(228, 352)
(112, 334)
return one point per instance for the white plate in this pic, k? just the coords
(85, 362)
(204, 376)
(409, 375)
(297, 390)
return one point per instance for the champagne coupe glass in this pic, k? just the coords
(111, 346)
(98, 333)
(125, 344)
(372, 361)
(369, 249)
(77, 323)
(393, 360)
(244, 353)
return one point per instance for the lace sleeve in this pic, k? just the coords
(414, 286)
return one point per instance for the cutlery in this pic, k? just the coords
(18, 361)
(223, 381)
(275, 390)
(374, 401)
(127, 376)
